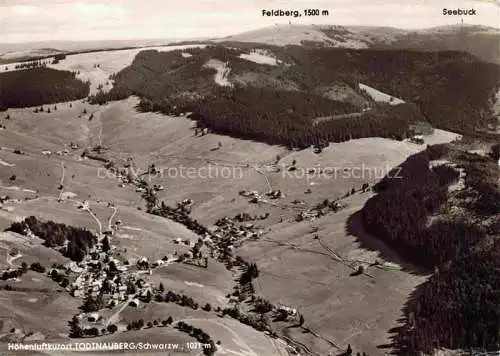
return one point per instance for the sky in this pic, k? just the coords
(65, 20)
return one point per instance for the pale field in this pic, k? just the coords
(358, 310)
(42, 307)
(236, 339)
(30, 250)
(260, 57)
(285, 34)
(222, 72)
(204, 285)
(379, 96)
(279, 35)
(44, 312)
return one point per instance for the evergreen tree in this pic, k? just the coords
(105, 244)
(75, 329)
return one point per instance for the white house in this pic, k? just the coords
(93, 317)
(289, 310)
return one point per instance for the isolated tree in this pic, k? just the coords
(131, 288)
(74, 328)
(64, 282)
(94, 331)
(24, 267)
(91, 305)
(301, 320)
(105, 244)
(37, 267)
(495, 151)
(148, 297)
(161, 288)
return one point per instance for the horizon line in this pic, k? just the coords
(181, 39)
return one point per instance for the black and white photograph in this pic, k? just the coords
(250, 178)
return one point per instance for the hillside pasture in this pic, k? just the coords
(296, 270)
(379, 96)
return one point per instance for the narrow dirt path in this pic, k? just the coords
(110, 221)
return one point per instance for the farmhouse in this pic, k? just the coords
(275, 194)
(289, 310)
(134, 302)
(158, 263)
(421, 128)
(94, 317)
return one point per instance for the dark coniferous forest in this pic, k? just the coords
(39, 86)
(56, 235)
(458, 308)
(398, 214)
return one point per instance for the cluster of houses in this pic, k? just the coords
(321, 210)
(256, 197)
(100, 274)
(275, 194)
(92, 276)
(227, 229)
(290, 311)
(63, 152)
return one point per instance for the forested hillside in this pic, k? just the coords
(458, 307)
(454, 232)
(39, 86)
(451, 90)
(286, 117)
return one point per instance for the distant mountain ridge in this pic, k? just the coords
(480, 41)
